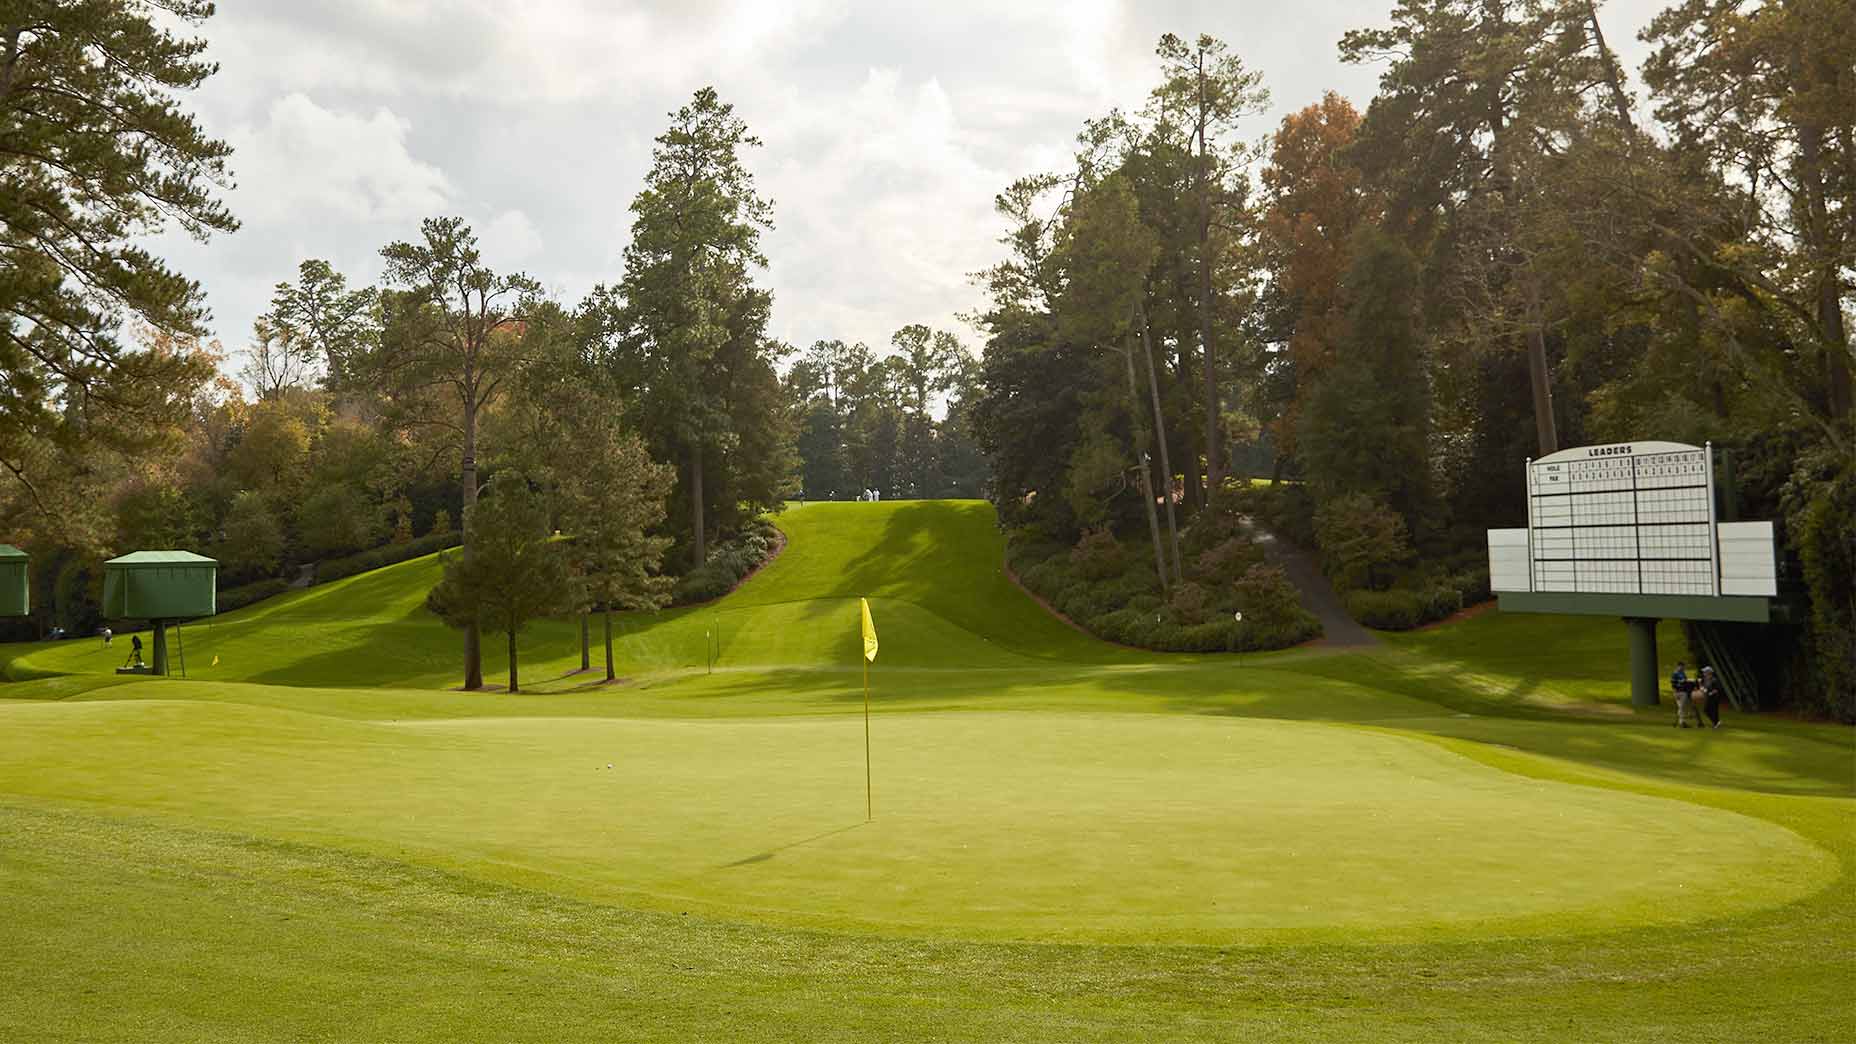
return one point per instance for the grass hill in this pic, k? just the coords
(931, 569)
(1447, 836)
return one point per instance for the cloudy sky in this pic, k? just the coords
(888, 128)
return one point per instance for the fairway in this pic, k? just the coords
(1032, 786)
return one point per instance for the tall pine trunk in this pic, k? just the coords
(586, 645)
(1539, 375)
(1146, 468)
(514, 686)
(699, 548)
(473, 636)
(1540, 382)
(1166, 464)
(1214, 452)
(1614, 81)
(607, 613)
(1837, 384)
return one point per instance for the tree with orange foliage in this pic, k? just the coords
(1316, 205)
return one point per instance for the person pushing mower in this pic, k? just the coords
(135, 651)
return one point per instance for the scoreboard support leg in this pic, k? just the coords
(1645, 676)
(160, 651)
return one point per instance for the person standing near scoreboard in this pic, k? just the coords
(1711, 695)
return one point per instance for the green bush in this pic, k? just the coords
(1403, 608)
(380, 557)
(1273, 613)
(1224, 562)
(239, 597)
(1472, 585)
(1361, 540)
(1399, 609)
(1146, 603)
(1128, 606)
(1098, 555)
(1279, 634)
(1189, 604)
(729, 563)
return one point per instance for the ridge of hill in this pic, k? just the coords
(933, 571)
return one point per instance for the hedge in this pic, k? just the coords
(1403, 608)
(380, 557)
(1128, 607)
(728, 565)
(239, 597)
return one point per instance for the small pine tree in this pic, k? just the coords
(515, 571)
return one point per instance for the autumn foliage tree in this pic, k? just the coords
(1316, 203)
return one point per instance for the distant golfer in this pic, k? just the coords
(107, 635)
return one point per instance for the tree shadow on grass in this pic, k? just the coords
(768, 855)
(1758, 754)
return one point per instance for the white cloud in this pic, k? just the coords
(510, 239)
(879, 199)
(309, 164)
(888, 128)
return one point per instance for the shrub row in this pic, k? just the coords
(380, 557)
(239, 597)
(1403, 608)
(1128, 606)
(729, 563)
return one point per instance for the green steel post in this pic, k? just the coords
(161, 647)
(1645, 678)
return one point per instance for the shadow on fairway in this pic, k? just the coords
(763, 857)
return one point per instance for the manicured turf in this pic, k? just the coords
(1437, 839)
(931, 569)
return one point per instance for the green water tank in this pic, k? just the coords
(160, 585)
(15, 593)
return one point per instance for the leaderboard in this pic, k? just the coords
(1623, 519)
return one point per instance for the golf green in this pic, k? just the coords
(1050, 827)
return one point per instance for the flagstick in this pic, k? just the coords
(869, 805)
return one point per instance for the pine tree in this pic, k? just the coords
(514, 574)
(96, 154)
(1207, 90)
(450, 335)
(687, 325)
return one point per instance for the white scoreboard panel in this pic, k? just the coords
(1630, 518)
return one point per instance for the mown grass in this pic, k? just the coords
(1444, 838)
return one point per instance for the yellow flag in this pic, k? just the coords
(869, 632)
(215, 661)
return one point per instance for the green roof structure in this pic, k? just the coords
(15, 591)
(160, 585)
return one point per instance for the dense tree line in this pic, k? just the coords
(1505, 254)
(867, 422)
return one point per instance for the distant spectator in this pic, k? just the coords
(1711, 693)
(1684, 688)
(107, 635)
